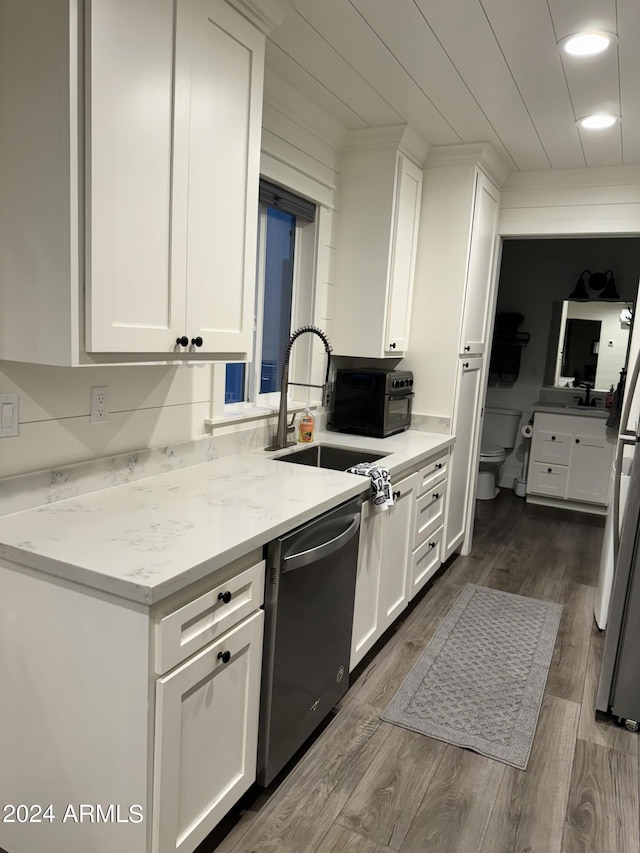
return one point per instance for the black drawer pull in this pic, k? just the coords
(183, 341)
(465, 364)
(392, 346)
(225, 657)
(397, 495)
(438, 465)
(432, 544)
(553, 438)
(549, 471)
(577, 441)
(436, 495)
(224, 597)
(467, 348)
(197, 342)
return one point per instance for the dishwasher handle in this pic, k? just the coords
(312, 555)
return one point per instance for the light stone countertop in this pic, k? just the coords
(147, 539)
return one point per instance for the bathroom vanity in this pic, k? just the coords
(571, 457)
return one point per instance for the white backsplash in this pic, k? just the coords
(48, 486)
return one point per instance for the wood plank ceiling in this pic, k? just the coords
(471, 71)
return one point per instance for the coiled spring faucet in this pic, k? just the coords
(281, 433)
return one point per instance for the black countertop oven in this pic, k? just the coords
(372, 401)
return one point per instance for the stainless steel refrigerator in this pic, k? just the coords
(619, 686)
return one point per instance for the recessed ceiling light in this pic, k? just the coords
(598, 122)
(587, 43)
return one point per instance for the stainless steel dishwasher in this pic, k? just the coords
(309, 596)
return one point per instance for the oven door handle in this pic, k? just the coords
(312, 555)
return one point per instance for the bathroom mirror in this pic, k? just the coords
(588, 341)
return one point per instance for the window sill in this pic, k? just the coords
(245, 413)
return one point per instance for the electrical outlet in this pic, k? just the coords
(100, 404)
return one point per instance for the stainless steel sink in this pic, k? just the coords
(325, 456)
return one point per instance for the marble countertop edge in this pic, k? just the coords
(145, 540)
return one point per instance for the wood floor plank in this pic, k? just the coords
(602, 813)
(583, 563)
(475, 567)
(545, 574)
(569, 662)
(601, 733)
(387, 797)
(457, 805)
(307, 802)
(530, 808)
(512, 568)
(341, 840)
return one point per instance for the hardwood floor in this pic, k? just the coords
(365, 786)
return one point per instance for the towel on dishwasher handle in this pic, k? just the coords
(381, 496)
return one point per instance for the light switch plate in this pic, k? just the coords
(8, 415)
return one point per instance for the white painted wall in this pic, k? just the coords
(152, 406)
(534, 273)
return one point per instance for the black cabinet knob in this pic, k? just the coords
(396, 495)
(577, 441)
(436, 495)
(467, 349)
(432, 544)
(183, 341)
(465, 364)
(224, 596)
(392, 346)
(548, 470)
(225, 657)
(553, 438)
(197, 342)
(438, 465)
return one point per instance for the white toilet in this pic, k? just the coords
(498, 435)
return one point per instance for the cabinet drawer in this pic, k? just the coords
(429, 509)
(548, 480)
(425, 562)
(548, 446)
(432, 473)
(191, 627)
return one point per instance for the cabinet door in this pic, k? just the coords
(546, 479)
(365, 609)
(463, 468)
(551, 446)
(589, 470)
(131, 302)
(206, 737)
(403, 256)
(219, 81)
(480, 267)
(396, 548)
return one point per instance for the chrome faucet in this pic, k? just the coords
(280, 440)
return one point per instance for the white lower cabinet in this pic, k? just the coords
(383, 565)
(571, 458)
(206, 737)
(399, 551)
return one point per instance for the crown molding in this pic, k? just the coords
(480, 154)
(399, 137)
(266, 15)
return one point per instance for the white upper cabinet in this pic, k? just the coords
(130, 184)
(174, 117)
(482, 250)
(378, 216)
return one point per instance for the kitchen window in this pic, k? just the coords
(284, 298)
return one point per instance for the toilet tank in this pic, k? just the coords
(501, 426)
